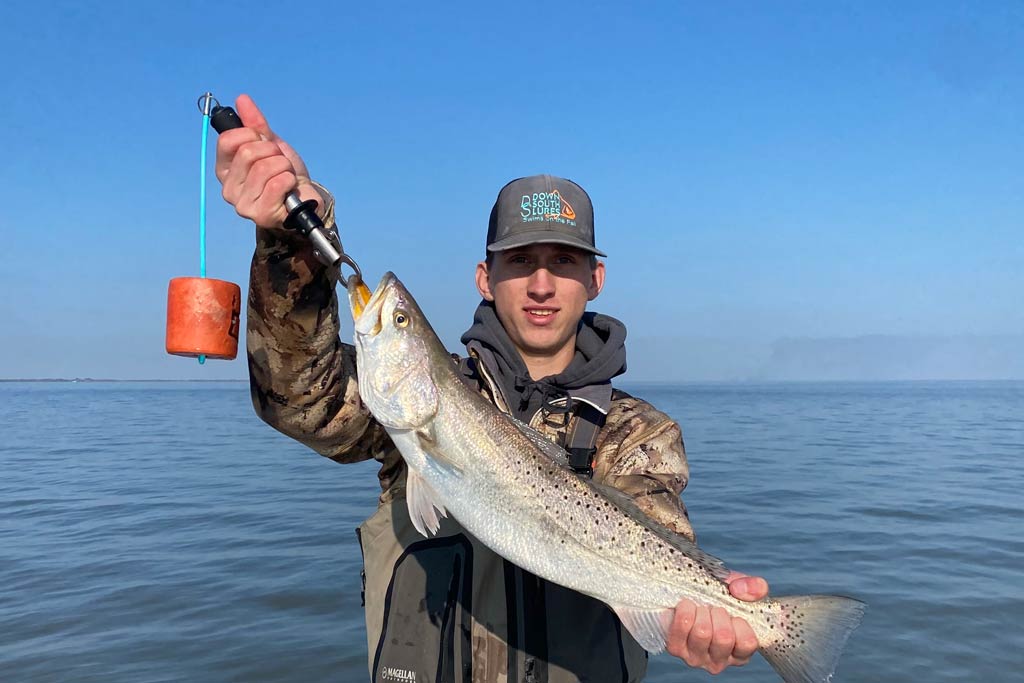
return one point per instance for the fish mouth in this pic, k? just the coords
(367, 315)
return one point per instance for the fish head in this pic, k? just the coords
(397, 354)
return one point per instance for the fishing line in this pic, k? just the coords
(207, 101)
(203, 313)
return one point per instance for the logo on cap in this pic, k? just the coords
(547, 206)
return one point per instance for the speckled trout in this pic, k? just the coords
(514, 490)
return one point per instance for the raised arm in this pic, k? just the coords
(302, 377)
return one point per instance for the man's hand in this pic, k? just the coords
(708, 638)
(257, 169)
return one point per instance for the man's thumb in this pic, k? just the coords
(252, 117)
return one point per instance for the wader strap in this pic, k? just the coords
(582, 442)
(466, 370)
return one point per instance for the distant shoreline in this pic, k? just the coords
(623, 382)
(83, 380)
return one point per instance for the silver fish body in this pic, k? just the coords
(514, 491)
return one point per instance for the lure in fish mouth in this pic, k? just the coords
(366, 310)
(395, 352)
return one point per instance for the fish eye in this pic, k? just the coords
(401, 319)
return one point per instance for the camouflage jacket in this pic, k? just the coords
(303, 384)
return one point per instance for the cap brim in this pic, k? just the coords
(543, 237)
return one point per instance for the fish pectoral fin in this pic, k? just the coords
(425, 435)
(426, 440)
(423, 509)
(648, 626)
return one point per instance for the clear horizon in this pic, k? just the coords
(864, 359)
(797, 172)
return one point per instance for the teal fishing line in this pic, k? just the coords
(202, 203)
(202, 197)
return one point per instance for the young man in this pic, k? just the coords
(447, 608)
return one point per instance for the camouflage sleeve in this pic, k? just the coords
(302, 378)
(640, 452)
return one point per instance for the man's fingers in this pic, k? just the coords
(297, 162)
(252, 165)
(271, 203)
(746, 641)
(252, 117)
(257, 170)
(709, 638)
(723, 638)
(749, 588)
(248, 155)
(679, 631)
(228, 144)
(699, 639)
(262, 174)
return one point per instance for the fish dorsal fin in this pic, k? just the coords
(545, 445)
(557, 454)
(649, 627)
(423, 508)
(712, 564)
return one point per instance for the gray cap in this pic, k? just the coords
(542, 209)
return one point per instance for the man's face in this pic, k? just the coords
(540, 291)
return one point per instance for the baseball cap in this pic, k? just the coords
(542, 209)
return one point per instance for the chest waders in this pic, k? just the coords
(447, 609)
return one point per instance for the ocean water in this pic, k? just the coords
(161, 532)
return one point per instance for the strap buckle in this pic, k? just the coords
(582, 460)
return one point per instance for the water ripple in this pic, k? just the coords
(160, 532)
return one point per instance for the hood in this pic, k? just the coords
(600, 356)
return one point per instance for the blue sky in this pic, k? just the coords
(759, 172)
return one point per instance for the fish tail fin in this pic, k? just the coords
(815, 629)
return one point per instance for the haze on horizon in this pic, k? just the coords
(793, 192)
